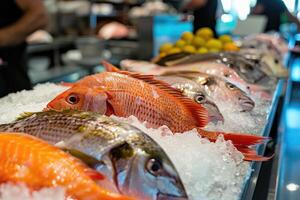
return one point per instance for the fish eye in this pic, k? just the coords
(276, 61)
(200, 98)
(73, 99)
(230, 86)
(226, 75)
(154, 166)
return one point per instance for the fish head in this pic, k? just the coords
(246, 69)
(222, 90)
(143, 170)
(238, 96)
(81, 98)
(214, 113)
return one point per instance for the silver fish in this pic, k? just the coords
(218, 89)
(129, 158)
(247, 70)
(270, 64)
(192, 90)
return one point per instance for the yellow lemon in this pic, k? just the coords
(214, 44)
(180, 43)
(165, 47)
(202, 50)
(174, 50)
(162, 54)
(187, 36)
(189, 49)
(213, 50)
(205, 33)
(198, 41)
(225, 38)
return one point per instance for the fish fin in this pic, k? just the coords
(196, 110)
(85, 158)
(242, 142)
(109, 67)
(93, 174)
(24, 115)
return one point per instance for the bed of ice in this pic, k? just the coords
(209, 171)
(242, 122)
(10, 191)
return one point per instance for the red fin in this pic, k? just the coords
(196, 110)
(93, 174)
(109, 67)
(242, 142)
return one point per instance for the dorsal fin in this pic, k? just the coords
(24, 115)
(87, 160)
(196, 110)
(109, 67)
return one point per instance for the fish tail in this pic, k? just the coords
(242, 142)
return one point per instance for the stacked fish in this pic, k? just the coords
(74, 143)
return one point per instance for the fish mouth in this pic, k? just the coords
(246, 103)
(161, 196)
(214, 113)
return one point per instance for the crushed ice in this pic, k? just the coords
(251, 122)
(28, 101)
(208, 170)
(10, 191)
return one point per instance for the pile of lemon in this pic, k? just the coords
(202, 42)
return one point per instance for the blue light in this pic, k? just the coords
(296, 73)
(292, 117)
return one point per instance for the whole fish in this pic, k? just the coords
(124, 94)
(269, 63)
(35, 163)
(216, 88)
(247, 70)
(271, 43)
(194, 91)
(130, 159)
(209, 67)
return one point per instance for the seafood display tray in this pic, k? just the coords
(251, 181)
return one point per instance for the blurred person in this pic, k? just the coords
(204, 12)
(273, 10)
(18, 19)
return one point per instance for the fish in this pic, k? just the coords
(271, 43)
(37, 164)
(269, 63)
(216, 88)
(135, 164)
(209, 67)
(124, 94)
(197, 93)
(247, 70)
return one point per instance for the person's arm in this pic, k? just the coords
(34, 18)
(258, 9)
(194, 4)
